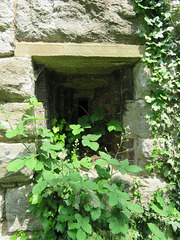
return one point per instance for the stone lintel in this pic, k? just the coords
(81, 50)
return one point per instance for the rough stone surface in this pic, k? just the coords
(9, 152)
(1, 204)
(147, 185)
(4, 231)
(15, 113)
(16, 79)
(6, 27)
(77, 21)
(134, 117)
(17, 203)
(143, 150)
(141, 75)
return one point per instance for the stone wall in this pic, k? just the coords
(64, 21)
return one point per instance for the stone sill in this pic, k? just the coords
(29, 49)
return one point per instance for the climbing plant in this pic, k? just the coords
(162, 56)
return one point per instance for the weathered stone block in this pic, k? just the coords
(9, 152)
(77, 21)
(17, 203)
(141, 75)
(134, 117)
(16, 79)
(1, 204)
(4, 231)
(147, 185)
(6, 27)
(143, 150)
(15, 113)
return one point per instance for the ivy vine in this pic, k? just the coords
(162, 57)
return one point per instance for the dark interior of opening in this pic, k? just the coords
(71, 96)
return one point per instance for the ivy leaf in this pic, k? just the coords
(81, 235)
(115, 125)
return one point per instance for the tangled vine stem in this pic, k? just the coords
(162, 57)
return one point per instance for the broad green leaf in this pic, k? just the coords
(112, 199)
(124, 163)
(93, 145)
(115, 125)
(133, 168)
(39, 166)
(72, 234)
(95, 213)
(93, 199)
(86, 226)
(47, 146)
(39, 187)
(15, 165)
(100, 162)
(156, 231)
(115, 225)
(79, 218)
(92, 137)
(81, 235)
(34, 199)
(102, 172)
(74, 226)
(134, 207)
(49, 175)
(83, 121)
(86, 162)
(63, 217)
(31, 163)
(104, 186)
(76, 129)
(98, 114)
(114, 161)
(104, 155)
(90, 185)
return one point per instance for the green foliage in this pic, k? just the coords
(162, 56)
(69, 204)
